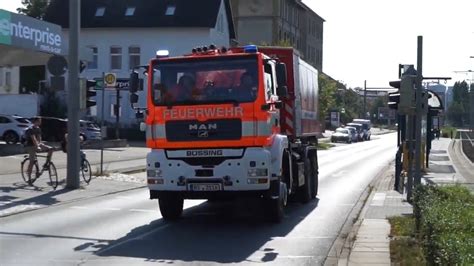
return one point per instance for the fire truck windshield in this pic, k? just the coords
(202, 81)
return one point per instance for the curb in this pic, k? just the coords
(340, 249)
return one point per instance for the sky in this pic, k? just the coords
(367, 39)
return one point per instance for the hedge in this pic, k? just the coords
(446, 224)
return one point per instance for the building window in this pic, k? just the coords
(134, 56)
(115, 58)
(94, 64)
(130, 11)
(100, 12)
(8, 79)
(170, 10)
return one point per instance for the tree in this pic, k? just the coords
(460, 108)
(34, 8)
(455, 113)
(327, 92)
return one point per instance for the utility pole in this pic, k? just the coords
(72, 180)
(419, 111)
(117, 113)
(365, 99)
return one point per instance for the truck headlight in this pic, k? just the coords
(257, 172)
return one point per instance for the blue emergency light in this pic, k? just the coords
(250, 49)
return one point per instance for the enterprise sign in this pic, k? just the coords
(29, 33)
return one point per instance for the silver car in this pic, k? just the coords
(354, 135)
(12, 128)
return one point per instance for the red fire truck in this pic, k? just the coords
(229, 123)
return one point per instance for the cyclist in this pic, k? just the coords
(34, 145)
(64, 146)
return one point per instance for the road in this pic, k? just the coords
(126, 229)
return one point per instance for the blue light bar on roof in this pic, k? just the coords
(250, 49)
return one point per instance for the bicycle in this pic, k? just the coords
(37, 173)
(85, 168)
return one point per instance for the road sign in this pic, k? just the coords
(110, 80)
(120, 84)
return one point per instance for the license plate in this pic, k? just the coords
(205, 187)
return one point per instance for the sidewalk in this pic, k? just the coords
(372, 231)
(17, 196)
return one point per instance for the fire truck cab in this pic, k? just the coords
(227, 123)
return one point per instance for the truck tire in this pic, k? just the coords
(171, 206)
(304, 191)
(275, 207)
(315, 180)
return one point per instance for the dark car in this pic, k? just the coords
(341, 135)
(53, 128)
(360, 130)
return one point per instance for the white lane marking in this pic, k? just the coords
(20, 208)
(133, 239)
(124, 198)
(303, 237)
(379, 199)
(5, 202)
(142, 210)
(98, 208)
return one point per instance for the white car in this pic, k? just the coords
(89, 130)
(12, 128)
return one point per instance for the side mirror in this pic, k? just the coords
(134, 82)
(133, 98)
(282, 91)
(281, 75)
(142, 127)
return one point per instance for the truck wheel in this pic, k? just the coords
(305, 190)
(315, 179)
(276, 207)
(171, 207)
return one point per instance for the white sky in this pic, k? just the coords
(367, 39)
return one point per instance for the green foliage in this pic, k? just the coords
(446, 132)
(34, 8)
(446, 224)
(327, 91)
(405, 249)
(458, 111)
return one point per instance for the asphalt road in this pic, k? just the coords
(126, 229)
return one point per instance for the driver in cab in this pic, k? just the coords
(185, 90)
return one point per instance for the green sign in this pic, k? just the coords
(30, 33)
(5, 37)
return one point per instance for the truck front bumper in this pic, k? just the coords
(203, 177)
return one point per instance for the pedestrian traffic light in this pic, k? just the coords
(393, 100)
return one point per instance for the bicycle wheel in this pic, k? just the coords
(86, 171)
(53, 175)
(24, 170)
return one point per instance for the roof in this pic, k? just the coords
(148, 14)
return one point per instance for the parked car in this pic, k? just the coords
(366, 126)
(360, 131)
(354, 135)
(341, 134)
(89, 130)
(12, 128)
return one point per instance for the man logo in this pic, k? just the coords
(202, 127)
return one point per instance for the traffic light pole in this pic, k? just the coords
(419, 111)
(72, 180)
(102, 126)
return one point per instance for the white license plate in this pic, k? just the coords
(205, 187)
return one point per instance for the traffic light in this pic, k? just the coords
(393, 100)
(88, 91)
(405, 94)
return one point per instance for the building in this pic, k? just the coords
(123, 34)
(275, 22)
(25, 43)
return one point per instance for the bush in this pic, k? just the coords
(446, 224)
(446, 132)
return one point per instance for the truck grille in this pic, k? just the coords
(193, 130)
